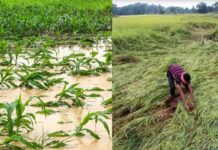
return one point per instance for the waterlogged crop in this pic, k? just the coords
(6, 78)
(5, 53)
(37, 79)
(9, 53)
(46, 141)
(43, 105)
(97, 117)
(30, 33)
(74, 93)
(107, 102)
(43, 57)
(14, 124)
(80, 130)
(80, 64)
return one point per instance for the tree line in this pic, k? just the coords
(143, 8)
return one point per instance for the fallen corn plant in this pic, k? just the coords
(6, 78)
(73, 93)
(79, 64)
(37, 79)
(95, 89)
(8, 143)
(43, 106)
(45, 141)
(107, 102)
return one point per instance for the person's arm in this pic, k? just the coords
(182, 95)
(191, 93)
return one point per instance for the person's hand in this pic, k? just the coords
(187, 107)
(192, 105)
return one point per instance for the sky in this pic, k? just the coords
(165, 3)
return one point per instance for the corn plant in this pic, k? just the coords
(5, 53)
(6, 78)
(67, 60)
(40, 143)
(37, 79)
(17, 51)
(80, 130)
(103, 66)
(46, 141)
(97, 117)
(107, 102)
(74, 93)
(43, 105)
(82, 66)
(42, 57)
(95, 89)
(79, 64)
(22, 120)
(8, 142)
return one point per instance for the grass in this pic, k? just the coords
(143, 47)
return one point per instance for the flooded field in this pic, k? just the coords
(67, 118)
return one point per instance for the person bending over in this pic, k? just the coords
(177, 77)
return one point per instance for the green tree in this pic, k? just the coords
(202, 8)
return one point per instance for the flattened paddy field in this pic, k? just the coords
(55, 75)
(143, 48)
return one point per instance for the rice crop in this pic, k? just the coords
(144, 46)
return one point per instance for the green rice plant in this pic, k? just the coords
(6, 78)
(157, 41)
(37, 79)
(73, 93)
(22, 120)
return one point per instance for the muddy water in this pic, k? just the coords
(65, 118)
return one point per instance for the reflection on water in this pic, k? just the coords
(65, 118)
